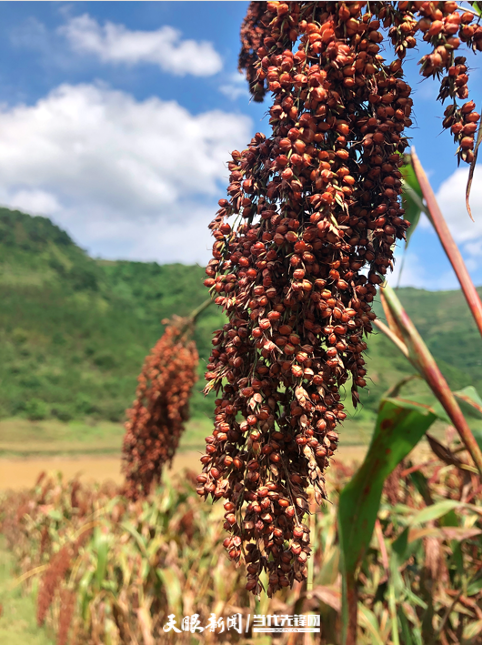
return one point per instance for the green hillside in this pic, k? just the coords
(74, 330)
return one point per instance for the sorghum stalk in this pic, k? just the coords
(448, 243)
(423, 361)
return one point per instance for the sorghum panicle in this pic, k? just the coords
(253, 31)
(157, 417)
(52, 579)
(67, 607)
(441, 24)
(445, 29)
(314, 204)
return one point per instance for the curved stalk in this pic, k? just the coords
(421, 358)
(448, 243)
(393, 337)
(199, 310)
(187, 323)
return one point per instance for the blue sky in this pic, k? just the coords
(117, 118)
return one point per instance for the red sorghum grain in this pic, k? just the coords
(316, 209)
(157, 417)
(67, 606)
(52, 579)
(253, 30)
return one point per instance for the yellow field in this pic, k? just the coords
(93, 452)
(16, 473)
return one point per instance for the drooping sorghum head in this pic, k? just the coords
(317, 211)
(157, 417)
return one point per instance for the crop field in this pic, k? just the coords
(92, 452)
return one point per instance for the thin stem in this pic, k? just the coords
(311, 561)
(198, 311)
(415, 197)
(186, 325)
(462, 9)
(445, 618)
(424, 362)
(401, 267)
(393, 615)
(392, 325)
(448, 243)
(383, 546)
(393, 337)
(29, 574)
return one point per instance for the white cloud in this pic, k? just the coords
(233, 92)
(34, 202)
(408, 272)
(163, 47)
(424, 223)
(236, 87)
(451, 198)
(127, 178)
(412, 272)
(31, 33)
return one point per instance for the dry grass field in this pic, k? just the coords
(17, 472)
(93, 451)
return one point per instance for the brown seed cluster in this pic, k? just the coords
(67, 607)
(52, 579)
(446, 29)
(316, 202)
(316, 209)
(253, 30)
(157, 417)
(442, 24)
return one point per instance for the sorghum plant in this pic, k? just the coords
(157, 417)
(314, 204)
(179, 540)
(59, 566)
(52, 579)
(67, 604)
